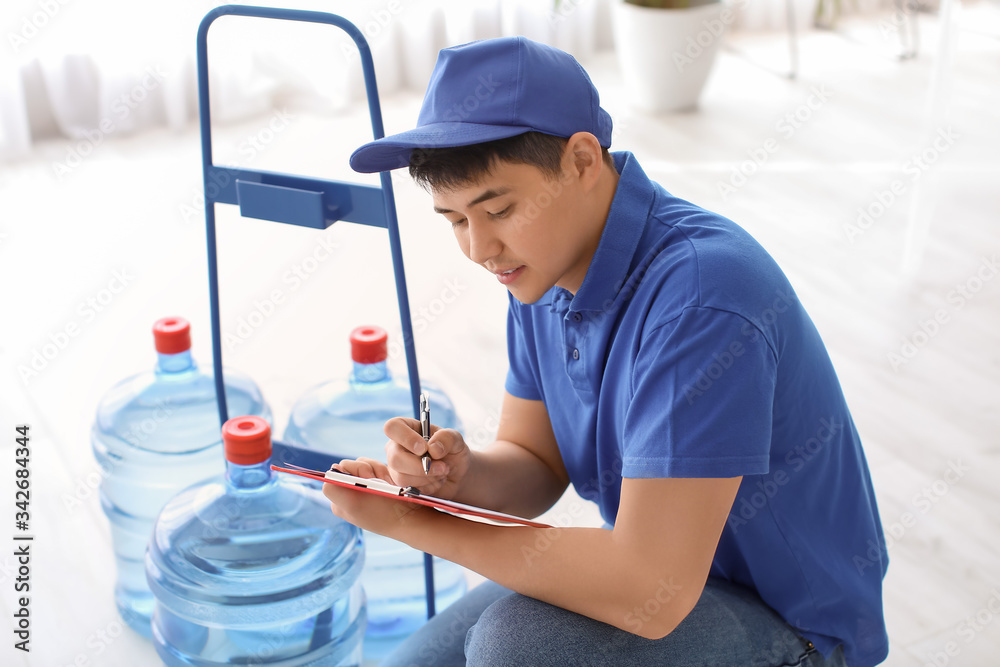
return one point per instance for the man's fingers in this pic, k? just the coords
(441, 443)
(376, 469)
(366, 468)
(402, 460)
(408, 471)
(349, 466)
(406, 432)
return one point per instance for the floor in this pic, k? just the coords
(891, 240)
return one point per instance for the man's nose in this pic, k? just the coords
(483, 242)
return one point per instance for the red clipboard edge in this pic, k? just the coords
(428, 501)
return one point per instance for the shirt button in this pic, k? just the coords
(576, 353)
(577, 317)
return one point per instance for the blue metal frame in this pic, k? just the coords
(304, 201)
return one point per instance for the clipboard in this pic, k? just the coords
(409, 494)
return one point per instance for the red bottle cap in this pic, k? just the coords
(368, 344)
(172, 335)
(246, 440)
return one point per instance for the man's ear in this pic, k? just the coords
(583, 158)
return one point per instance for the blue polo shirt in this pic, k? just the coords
(686, 353)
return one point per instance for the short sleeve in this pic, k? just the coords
(702, 396)
(522, 374)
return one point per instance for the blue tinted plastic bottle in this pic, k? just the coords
(345, 419)
(253, 569)
(155, 434)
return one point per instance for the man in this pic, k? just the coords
(662, 364)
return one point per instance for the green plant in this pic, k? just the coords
(659, 4)
(827, 14)
(671, 4)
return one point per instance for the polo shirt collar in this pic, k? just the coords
(626, 221)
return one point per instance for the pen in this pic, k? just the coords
(425, 430)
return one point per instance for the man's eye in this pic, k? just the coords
(456, 223)
(501, 214)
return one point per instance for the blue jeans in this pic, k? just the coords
(729, 627)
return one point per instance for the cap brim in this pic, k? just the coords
(394, 151)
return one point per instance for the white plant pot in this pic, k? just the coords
(666, 54)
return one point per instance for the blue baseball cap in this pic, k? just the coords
(493, 89)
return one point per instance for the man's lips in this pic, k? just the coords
(507, 276)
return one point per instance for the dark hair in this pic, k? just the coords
(445, 168)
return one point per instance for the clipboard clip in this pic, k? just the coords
(373, 483)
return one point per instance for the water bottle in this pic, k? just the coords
(252, 568)
(155, 434)
(345, 418)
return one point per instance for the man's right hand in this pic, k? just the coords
(520, 473)
(450, 457)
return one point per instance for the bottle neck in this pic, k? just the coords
(251, 477)
(174, 363)
(370, 372)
